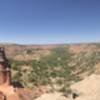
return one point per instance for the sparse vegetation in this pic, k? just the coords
(60, 68)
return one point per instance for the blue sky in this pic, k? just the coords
(49, 21)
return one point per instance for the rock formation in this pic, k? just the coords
(5, 73)
(88, 89)
(10, 90)
(6, 89)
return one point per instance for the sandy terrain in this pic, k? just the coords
(52, 96)
(87, 89)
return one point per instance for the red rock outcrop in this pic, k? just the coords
(7, 89)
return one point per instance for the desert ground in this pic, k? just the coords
(53, 72)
